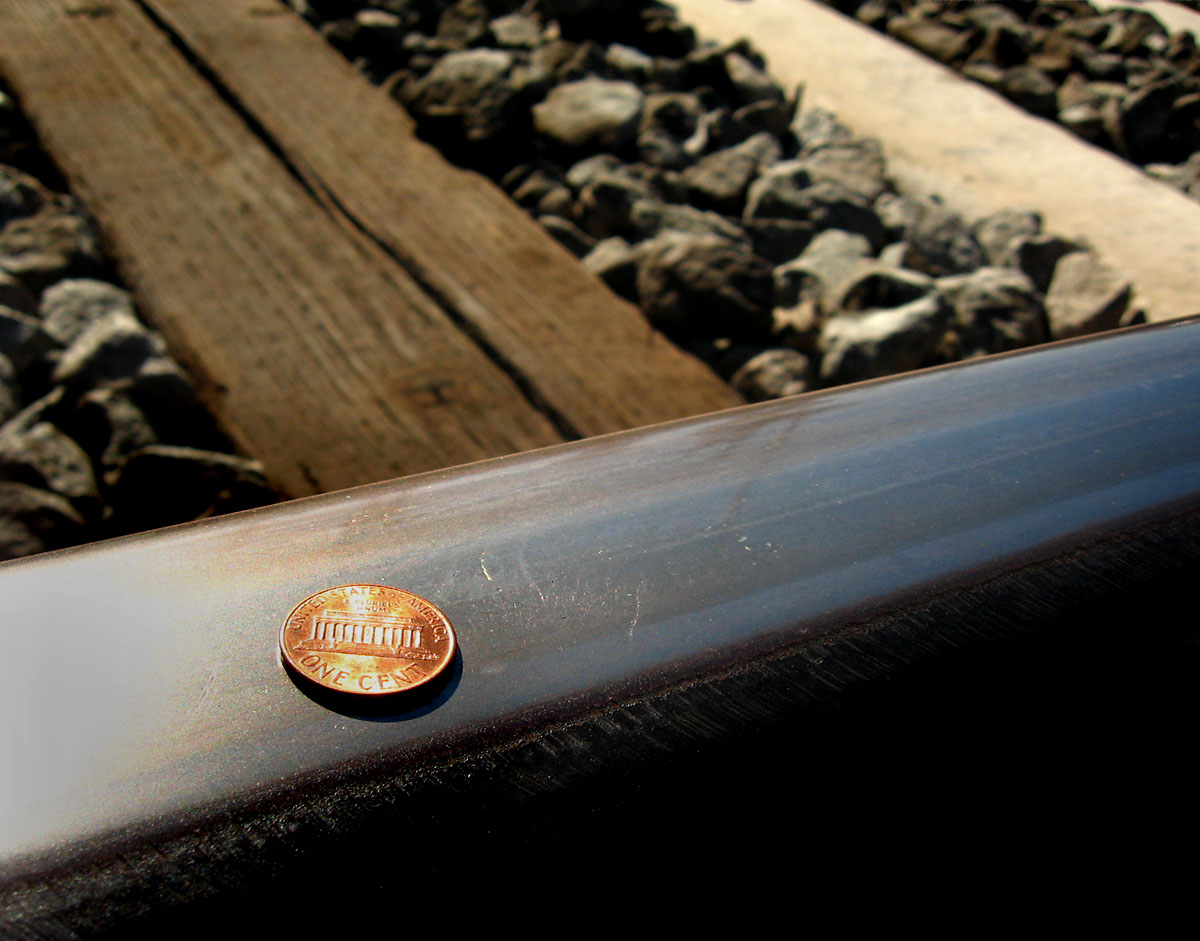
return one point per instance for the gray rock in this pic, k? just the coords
(20, 195)
(779, 240)
(772, 117)
(750, 83)
(49, 246)
(1110, 123)
(585, 61)
(14, 294)
(773, 374)
(898, 214)
(985, 73)
(650, 217)
(385, 20)
(786, 191)
(558, 201)
(114, 347)
(798, 327)
(1103, 66)
(163, 484)
(516, 30)
(710, 133)
(463, 24)
(778, 192)
(1085, 296)
(720, 180)
(593, 112)
(992, 16)
(857, 167)
(1004, 45)
(826, 262)
(1144, 120)
(43, 456)
(552, 55)
(1031, 89)
(535, 183)
(165, 395)
(670, 120)
(378, 40)
(941, 243)
(706, 285)
(51, 407)
(1055, 58)
(509, 99)
(997, 232)
(614, 261)
(1076, 90)
(873, 13)
(664, 34)
(33, 520)
(568, 235)
(819, 127)
(22, 339)
(668, 184)
(669, 74)
(1130, 31)
(1184, 176)
(706, 66)
(931, 37)
(606, 202)
(10, 392)
(628, 64)
(116, 426)
(70, 307)
(471, 87)
(870, 285)
(895, 255)
(994, 310)
(590, 168)
(881, 342)
(1085, 120)
(1036, 256)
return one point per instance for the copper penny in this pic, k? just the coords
(367, 639)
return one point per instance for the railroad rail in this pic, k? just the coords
(876, 613)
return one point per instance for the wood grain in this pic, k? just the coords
(588, 356)
(317, 352)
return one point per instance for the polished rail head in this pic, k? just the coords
(618, 570)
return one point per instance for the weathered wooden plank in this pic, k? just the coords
(585, 353)
(314, 348)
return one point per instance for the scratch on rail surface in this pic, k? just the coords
(637, 609)
(484, 567)
(208, 685)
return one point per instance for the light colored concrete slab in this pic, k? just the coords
(944, 134)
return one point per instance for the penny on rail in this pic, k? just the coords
(367, 639)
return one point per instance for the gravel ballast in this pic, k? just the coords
(751, 231)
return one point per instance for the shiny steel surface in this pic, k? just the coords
(143, 677)
(367, 640)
